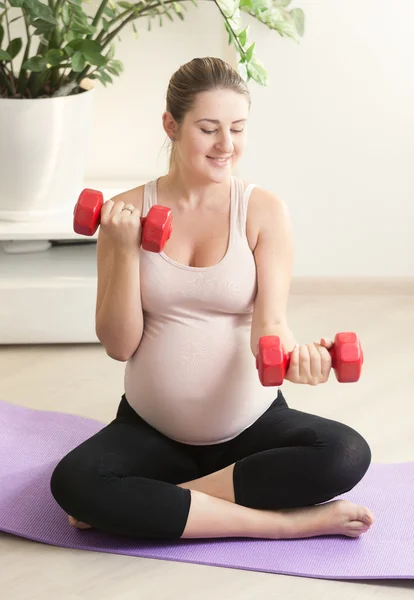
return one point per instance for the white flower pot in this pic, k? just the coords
(43, 151)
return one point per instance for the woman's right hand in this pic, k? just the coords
(123, 227)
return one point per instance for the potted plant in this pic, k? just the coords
(46, 85)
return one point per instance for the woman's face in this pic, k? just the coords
(212, 136)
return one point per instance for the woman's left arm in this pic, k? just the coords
(274, 262)
(309, 363)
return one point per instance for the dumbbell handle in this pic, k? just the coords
(272, 360)
(156, 225)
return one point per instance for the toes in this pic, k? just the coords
(78, 524)
(371, 517)
(358, 526)
(367, 516)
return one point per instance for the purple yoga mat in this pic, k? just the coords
(33, 441)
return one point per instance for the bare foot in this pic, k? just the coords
(338, 517)
(78, 524)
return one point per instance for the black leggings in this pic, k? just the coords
(123, 479)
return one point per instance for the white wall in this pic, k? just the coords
(128, 141)
(333, 133)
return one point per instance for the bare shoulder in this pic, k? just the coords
(264, 204)
(134, 196)
(267, 213)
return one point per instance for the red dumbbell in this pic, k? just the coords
(272, 361)
(156, 226)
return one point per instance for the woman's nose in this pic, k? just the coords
(225, 143)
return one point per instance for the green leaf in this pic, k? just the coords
(82, 28)
(246, 5)
(228, 6)
(178, 10)
(118, 65)
(242, 70)
(167, 12)
(55, 57)
(69, 36)
(109, 12)
(243, 36)
(126, 5)
(250, 51)
(299, 19)
(40, 10)
(16, 3)
(95, 58)
(232, 38)
(113, 71)
(35, 64)
(66, 13)
(106, 77)
(111, 51)
(257, 72)
(2, 5)
(16, 19)
(84, 46)
(14, 47)
(4, 55)
(42, 26)
(78, 62)
(1, 34)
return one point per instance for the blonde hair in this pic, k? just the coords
(200, 75)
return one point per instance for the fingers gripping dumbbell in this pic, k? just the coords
(272, 361)
(156, 226)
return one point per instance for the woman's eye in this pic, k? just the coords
(215, 131)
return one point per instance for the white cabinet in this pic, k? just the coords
(48, 281)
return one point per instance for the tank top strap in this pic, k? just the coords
(149, 196)
(241, 201)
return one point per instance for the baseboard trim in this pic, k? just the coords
(399, 286)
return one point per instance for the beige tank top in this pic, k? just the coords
(193, 376)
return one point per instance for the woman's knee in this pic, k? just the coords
(70, 482)
(349, 459)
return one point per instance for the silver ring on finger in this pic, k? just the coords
(130, 208)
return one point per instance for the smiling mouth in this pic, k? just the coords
(219, 159)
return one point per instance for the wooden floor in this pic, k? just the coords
(84, 381)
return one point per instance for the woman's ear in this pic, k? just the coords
(170, 125)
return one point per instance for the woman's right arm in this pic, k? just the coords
(119, 318)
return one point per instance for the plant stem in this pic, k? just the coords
(23, 73)
(102, 33)
(7, 82)
(10, 39)
(104, 42)
(144, 12)
(99, 12)
(121, 16)
(58, 5)
(115, 32)
(242, 52)
(135, 12)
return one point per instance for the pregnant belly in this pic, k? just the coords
(197, 385)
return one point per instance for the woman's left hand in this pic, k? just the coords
(310, 363)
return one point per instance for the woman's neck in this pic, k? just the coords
(189, 192)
